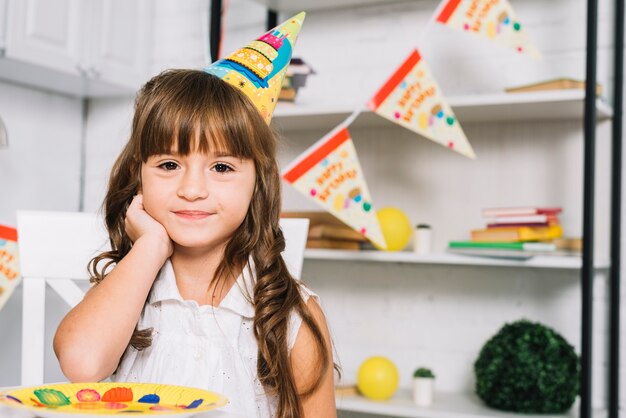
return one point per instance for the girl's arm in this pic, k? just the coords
(93, 336)
(320, 403)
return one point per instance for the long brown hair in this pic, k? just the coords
(197, 111)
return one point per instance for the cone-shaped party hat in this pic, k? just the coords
(259, 67)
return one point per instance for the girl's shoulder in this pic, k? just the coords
(295, 320)
(306, 292)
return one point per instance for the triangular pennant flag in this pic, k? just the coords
(259, 67)
(493, 19)
(9, 263)
(329, 172)
(412, 98)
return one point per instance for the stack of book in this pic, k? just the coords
(514, 232)
(326, 231)
(295, 77)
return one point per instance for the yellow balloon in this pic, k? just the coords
(378, 378)
(396, 228)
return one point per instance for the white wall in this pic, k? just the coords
(39, 170)
(438, 316)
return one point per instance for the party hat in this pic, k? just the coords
(258, 69)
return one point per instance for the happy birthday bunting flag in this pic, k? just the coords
(9, 263)
(330, 174)
(493, 19)
(258, 69)
(412, 98)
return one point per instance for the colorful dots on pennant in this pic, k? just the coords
(367, 206)
(358, 198)
(397, 115)
(492, 30)
(313, 192)
(338, 202)
(517, 26)
(440, 114)
(344, 154)
(450, 120)
(451, 144)
(423, 120)
(324, 162)
(466, 26)
(363, 230)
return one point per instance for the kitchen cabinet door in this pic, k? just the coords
(121, 45)
(46, 33)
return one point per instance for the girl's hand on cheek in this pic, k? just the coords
(139, 224)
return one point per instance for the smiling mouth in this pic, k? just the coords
(192, 214)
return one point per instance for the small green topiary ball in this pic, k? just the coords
(527, 367)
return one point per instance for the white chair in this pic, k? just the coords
(55, 248)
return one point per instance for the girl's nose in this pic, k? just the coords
(193, 185)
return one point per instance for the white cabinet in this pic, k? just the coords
(78, 47)
(121, 47)
(3, 12)
(46, 33)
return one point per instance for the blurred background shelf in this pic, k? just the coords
(545, 105)
(542, 262)
(446, 405)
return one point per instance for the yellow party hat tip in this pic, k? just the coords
(258, 68)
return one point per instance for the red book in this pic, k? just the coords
(501, 225)
(520, 211)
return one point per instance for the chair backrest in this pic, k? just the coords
(55, 248)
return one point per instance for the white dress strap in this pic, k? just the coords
(295, 320)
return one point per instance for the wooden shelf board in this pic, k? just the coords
(542, 262)
(546, 105)
(445, 405)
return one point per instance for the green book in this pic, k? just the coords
(522, 246)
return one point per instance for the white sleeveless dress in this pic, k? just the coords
(208, 347)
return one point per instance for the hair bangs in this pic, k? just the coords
(206, 117)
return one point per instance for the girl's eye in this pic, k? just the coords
(169, 165)
(222, 168)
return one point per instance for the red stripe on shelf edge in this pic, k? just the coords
(8, 233)
(316, 156)
(447, 11)
(394, 80)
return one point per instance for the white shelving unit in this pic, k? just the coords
(300, 5)
(548, 105)
(559, 105)
(446, 405)
(539, 261)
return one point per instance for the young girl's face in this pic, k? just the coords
(200, 198)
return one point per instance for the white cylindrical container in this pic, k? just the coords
(422, 239)
(423, 391)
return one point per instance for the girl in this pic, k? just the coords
(194, 291)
